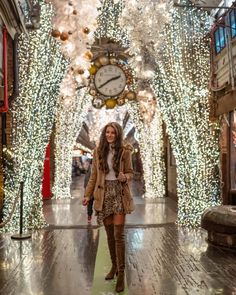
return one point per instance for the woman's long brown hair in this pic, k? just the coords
(103, 148)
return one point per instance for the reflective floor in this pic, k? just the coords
(162, 259)
(68, 213)
(52, 262)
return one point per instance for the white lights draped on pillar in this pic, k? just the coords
(150, 138)
(145, 39)
(178, 57)
(70, 117)
(74, 25)
(41, 69)
(182, 85)
(144, 21)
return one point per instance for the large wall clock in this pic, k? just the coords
(111, 82)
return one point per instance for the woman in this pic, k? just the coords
(108, 183)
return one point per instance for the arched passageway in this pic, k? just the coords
(168, 55)
(179, 88)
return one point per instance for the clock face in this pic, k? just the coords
(110, 80)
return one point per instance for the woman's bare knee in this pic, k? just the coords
(119, 219)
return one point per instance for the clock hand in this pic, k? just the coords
(113, 78)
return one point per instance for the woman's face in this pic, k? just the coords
(110, 134)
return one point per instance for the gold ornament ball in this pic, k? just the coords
(88, 55)
(97, 103)
(64, 36)
(110, 103)
(80, 71)
(97, 63)
(104, 60)
(56, 33)
(86, 30)
(93, 70)
(92, 92)
(130, 80)
(91, 85)
(131, 95)
(113, 61)
(120, 101)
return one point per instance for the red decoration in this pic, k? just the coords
(46, 187)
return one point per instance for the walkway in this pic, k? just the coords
(70, 257)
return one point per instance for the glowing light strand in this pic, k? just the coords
(151, 143)
(144, 32)
(108, 22)
(150, 138)
(77, 20)
(181, 83)
(69, 122)
(41, 68)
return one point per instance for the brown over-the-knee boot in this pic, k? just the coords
(120, 256)
(112, 249)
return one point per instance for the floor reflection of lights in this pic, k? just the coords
(136, 239)
(63, 210)
(151, 214)
(194, 240)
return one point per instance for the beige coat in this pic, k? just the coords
(96, 182)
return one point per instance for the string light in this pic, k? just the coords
(82, 147)
(41, 69)
(99, 118)
(181, 83)
(150, 134)
(144, 38)
(181, 70)
(144, 32)
(178, 57)
(74, 25)
(69, 121)
(108, 22)
(150, 138)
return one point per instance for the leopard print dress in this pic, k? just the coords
(112, 201)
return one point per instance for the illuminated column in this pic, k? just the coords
(41, 69)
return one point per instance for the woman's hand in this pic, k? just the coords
(84, 202)
(122, 177)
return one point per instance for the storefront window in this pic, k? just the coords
(232, 18)
(220, 41)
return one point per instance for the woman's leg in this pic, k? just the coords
(108, 220)
(119, 222)
(119, 219)
(90, 207)
(109, 227)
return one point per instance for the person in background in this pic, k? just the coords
(109, 184)
(90, 202)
